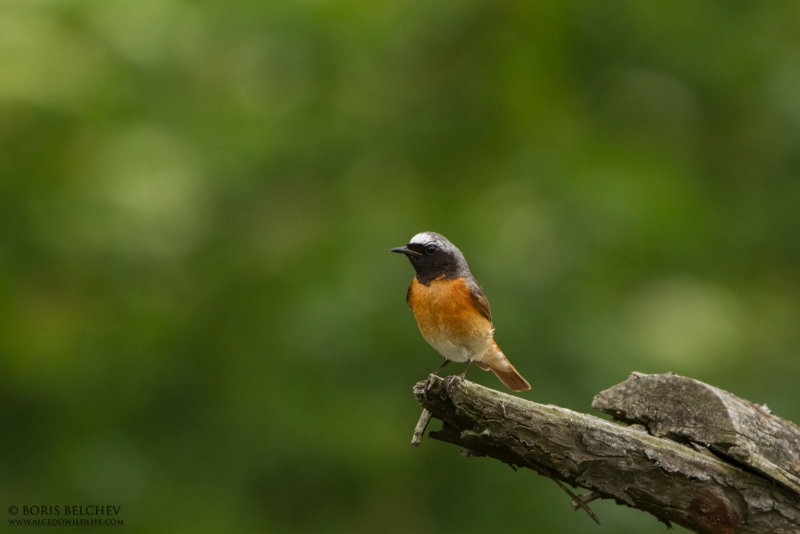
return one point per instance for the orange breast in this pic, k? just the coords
(449, 319)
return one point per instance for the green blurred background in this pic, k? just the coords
(201, 320)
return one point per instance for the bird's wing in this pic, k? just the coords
(480, 299)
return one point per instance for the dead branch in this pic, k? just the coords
(701, 482)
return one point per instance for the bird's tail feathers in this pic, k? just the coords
(496, 361)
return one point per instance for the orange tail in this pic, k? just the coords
(495, 360)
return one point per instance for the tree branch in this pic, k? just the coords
(673, 481)
(687, 410)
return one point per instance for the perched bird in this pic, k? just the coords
(451, 310)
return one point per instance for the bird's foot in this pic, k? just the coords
(463, 375)
(427, 385)
(453, 378)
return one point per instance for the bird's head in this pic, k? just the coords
(433, 255)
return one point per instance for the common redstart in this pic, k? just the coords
(451, 309)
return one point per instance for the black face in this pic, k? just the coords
(432, 256)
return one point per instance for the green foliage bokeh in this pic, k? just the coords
(201, 320)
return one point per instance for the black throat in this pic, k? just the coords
(442, 264)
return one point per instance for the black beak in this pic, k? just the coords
(407, 251)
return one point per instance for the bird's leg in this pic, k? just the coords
(464, 374)
(428, 381)
(445, 362)
(450, 379)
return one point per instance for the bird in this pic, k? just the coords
(451, 309)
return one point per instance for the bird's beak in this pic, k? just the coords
(407, 251)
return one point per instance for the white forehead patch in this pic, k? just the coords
(422, 238)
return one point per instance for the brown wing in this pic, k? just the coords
(480, 299)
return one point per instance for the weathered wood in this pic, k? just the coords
(419, 430)
(687, 410)
(670, 480)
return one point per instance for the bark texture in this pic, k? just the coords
(725, 474)
(687, 410)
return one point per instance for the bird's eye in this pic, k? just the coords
(430, 248)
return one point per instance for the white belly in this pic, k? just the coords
(461, 349)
